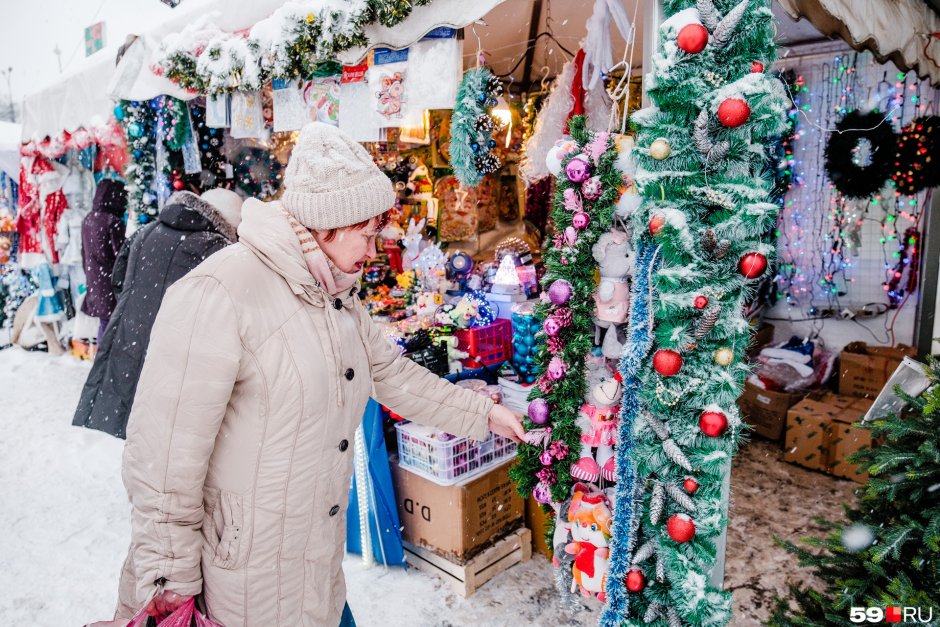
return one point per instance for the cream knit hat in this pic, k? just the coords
(332, 182)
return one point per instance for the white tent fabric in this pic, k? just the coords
(902, 31)
(10, 135)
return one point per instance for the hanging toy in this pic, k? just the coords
(752, 265)
(471, 138)
(598, 421)
(590, 518)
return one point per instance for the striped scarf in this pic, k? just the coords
(333, 280)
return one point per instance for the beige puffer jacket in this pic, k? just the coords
(239, 445)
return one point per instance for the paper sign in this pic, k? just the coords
(321, 98)
(290, 111)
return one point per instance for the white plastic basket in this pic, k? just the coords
(446, 462)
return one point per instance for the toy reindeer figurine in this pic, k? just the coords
(413, 243)
(590, 518)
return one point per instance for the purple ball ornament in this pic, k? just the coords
(581, 220)
(591, 188)
(538, 411)
(546, 458)
(556, 368)
(542, 493)
(560, 291)
(552, 326)
(578, 169)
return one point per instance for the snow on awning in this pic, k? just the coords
(905, 32)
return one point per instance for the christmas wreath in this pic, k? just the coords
(860, 153)
(914, 158)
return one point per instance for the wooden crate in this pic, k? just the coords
(465, 579)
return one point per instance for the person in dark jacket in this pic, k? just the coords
(187, 231)
(102, 237)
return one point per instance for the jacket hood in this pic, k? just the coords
(268, 234)
(185, 211)
(110, 197)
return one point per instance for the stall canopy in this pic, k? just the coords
(10, 134)
(905, 32)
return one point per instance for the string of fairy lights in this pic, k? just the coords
(835, 251)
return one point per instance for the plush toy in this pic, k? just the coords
(454, 355)
(464, 312)
(391, 236)
(614, 255)
(414, 243)
(427, 303)
(598, 422)
(419, 182)
(405, 280)
(590, 518)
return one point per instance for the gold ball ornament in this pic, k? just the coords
(723, 356)
(311, 18)
(660, 149)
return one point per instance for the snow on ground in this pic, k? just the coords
(65, 525)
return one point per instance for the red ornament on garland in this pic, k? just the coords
(733, 112)
(667, 362)
(701, 302)
(692, 38)
(636, 580)
(757, 67)
(680, 528)
(690, 485)
(178, 184)
(752, 265)
(656, 225)
(713, 423)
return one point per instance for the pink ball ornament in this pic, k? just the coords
(580, 220)
(538, 411)
(542, 493)
(560, 291)
(578, 169)
(592, 188)
(556, 368)
(552, 326)
(546, 458)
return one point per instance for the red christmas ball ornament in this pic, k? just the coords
(713, 423)
(656, 225)
(757, 67)
(692, 38)
(752, 265)
(178, 184)
(680, 528)
(733, 112)
(700, 302)
(690, 485)
(636, 580)
(667, 362)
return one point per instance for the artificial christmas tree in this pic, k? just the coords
(887, 552)
(701, 156)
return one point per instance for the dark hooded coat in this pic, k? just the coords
(102, 237)
(187, 231)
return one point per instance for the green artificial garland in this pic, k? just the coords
(568, 258)
(229, 62)
(139, 121)
(701, 156)
(471, 127)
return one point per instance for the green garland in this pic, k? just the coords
(576, 265)
(702, 172)
(471, 127)
(139, 121)
(229, 63)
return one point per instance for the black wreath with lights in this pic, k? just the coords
(852, 179)
(917, 156)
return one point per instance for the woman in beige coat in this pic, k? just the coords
(261, 360)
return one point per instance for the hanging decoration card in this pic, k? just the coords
(247, 118)
(356, 117)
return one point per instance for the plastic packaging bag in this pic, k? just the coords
(185, 616)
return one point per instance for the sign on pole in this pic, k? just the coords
(94, 38)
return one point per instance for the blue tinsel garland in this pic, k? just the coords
(623, 532)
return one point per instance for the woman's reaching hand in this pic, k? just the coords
(502, 421)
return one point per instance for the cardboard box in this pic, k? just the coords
(820, 435)
(844, 439)
(537, 521)
(864, 369)
(807, 434)
(457, 521)
(766, 411)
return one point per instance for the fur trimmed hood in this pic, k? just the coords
(193, 203)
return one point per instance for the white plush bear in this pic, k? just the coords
(614, 254)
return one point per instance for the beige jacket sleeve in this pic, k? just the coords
(415, 393)
(185, 385)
